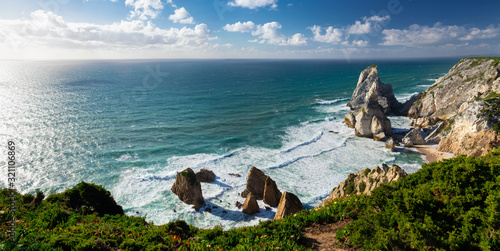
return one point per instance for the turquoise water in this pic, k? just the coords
(131, 125)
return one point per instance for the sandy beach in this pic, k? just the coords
(432, 154)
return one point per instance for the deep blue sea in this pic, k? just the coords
(131, 125)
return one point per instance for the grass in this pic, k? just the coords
(449, 205)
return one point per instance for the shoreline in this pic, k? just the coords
(432, 154)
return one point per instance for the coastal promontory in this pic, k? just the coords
(463, 104)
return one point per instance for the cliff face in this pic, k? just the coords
(456, 99)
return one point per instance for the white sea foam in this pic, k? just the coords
(314, 158)
(331, 102)
(405, 96)
(127, 157)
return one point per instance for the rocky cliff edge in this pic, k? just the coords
(463, 103)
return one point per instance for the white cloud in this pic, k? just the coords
(297, 39)
(476, 33)
(182, 16)
(357, 43)
(144, 9)
(370, 25)
(343, 35)
(268, 33)
(240, 27)
(417, 35)
(332, 35)
(47, 30)
(253, 4)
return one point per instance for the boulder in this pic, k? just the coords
(205, 175)
(272, 194)
(413, 137)
(188, 188)
(365, 181)
(369, 121)
(368, 80)
(377, 129)
(250, 206)
(289, 204)
(256, 183)
(389, 144)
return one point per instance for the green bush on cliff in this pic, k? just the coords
(450, 205)
(88, 198)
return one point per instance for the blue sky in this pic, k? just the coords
(116, 29)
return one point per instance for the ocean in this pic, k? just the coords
(132, 125)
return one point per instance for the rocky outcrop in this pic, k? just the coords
(272, 194)
(368, 80)
(250, 206)
(369, 120)
(205, 175)
(364, 181)
(256, 183)
(262, 187)
(188, 188)
(389, 144)
(413, 137)
(289, 204)
(456, 99)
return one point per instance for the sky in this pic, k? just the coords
(323, 29)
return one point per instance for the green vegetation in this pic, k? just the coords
(491, 110)
(450, 205)
(371, 66)
(87, 198)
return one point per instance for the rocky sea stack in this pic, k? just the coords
(188, 188)
(371, 101)
(289, 204)
(369, 83)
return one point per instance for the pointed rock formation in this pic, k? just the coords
(205, 175)
(369, 79)
(188, 188)
(250, 206)
(272, 194)
(364, 181)
(256, 183)
(289, 204)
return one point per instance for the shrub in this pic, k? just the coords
(88, 198)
